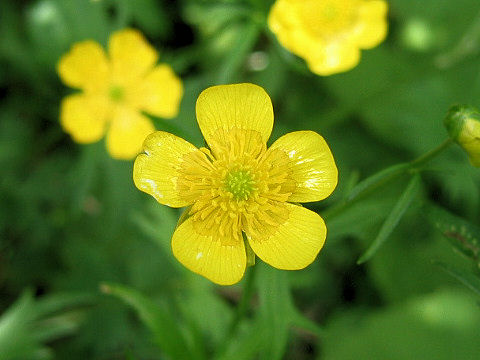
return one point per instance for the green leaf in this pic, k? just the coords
(393, 218)
(52, 304)
(15, 341)
(164, 327)
(376, 180)
(468, 279)
(462, 234)
(247, 344)
(24, 327)
(442, 325)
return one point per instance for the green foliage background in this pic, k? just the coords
(86, 270)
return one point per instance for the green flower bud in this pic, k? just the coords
(463, 126)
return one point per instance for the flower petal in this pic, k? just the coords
(312, 165)
(84, 66)
(372, 26)
(333, 57)
(84, 117)
(131, 56)
(159, 94)
(241, 106)
(296, 242)
(128, 130)
(284, 22)
(157, 171)
(208, 256)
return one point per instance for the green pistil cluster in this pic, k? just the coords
(240, 184)
(116, 93)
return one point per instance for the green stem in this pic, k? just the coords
(431, 154)
(244, 301)
(413, 165)
(239, 313)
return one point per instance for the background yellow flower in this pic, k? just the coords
(238, 186)
(329, 34)
(116, 89)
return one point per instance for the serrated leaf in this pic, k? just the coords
(164, 327)
(393, 218)
(462, 234)
(468, 279)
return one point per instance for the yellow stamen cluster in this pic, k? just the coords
(237, 186)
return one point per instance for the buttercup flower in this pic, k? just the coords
(115, 91)
(329, 34)
(238, 186)
(463, 126)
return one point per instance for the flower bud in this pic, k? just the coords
(463, 126)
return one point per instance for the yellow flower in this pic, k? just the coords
(238, 186)
(329, 34)
(115, 91)
(463, 126)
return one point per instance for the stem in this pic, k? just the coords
(431, 154)
(240, 311)
(244, 301)
(412, 165)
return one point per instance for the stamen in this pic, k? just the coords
(240, 184)
(236, 186)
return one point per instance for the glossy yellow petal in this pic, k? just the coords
(311, 163)
(333, 57)
(296, 242)
(84, 117)
(241, 106)
(208, 256)
(156, 172)
(131, 56)
(159, 94)
(128, 130)
(84, 66)
(372, 25)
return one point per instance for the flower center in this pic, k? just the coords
(327, 17)
(236, 186)
(240, 184)
(116, 93)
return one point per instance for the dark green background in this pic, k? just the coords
(71, 218)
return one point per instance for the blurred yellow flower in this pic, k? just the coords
(237, 186)
(329, 34)
(115, 91)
